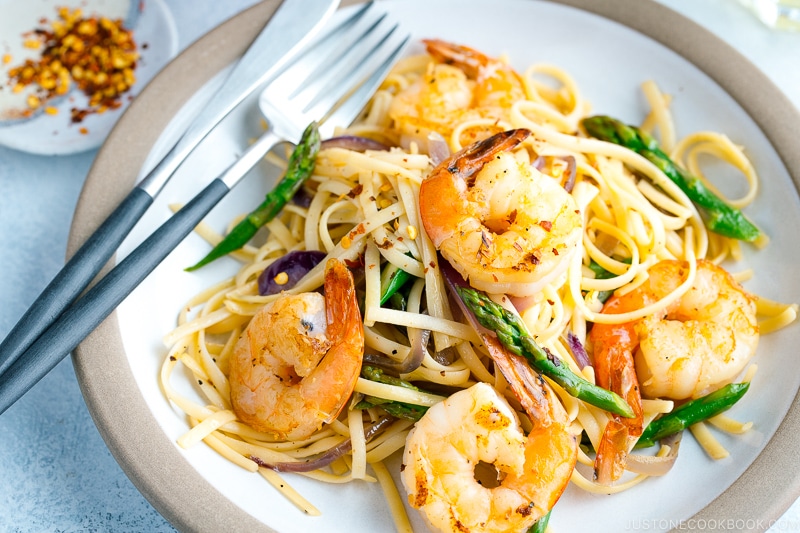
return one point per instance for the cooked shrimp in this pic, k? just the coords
(463, 84)
(496, 83)
(474, 426)
(501, 223)
(297, 362)
(696, 345)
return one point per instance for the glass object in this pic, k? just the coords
(777, 14)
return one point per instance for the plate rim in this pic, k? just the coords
(166, 479)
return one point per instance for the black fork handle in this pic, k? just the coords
(74, 277)
(80, 319)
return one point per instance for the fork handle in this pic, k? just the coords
(93, 307)
(74, 277)
(80, 319)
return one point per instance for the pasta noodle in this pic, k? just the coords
(365, 210)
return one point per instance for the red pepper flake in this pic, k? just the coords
(356, 263)
(96, 54)
(355, 191)
(512, 216)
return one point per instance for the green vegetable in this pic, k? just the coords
(601, 273)
(719, 217)
(300, 166)
(397, 409)
(541, 525)
(512, 334)
(374, 373)
(397, 301)
(692, 412)
(392, 280)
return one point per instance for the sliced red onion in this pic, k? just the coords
(446, 357)
(572, 170)
(328, 457)
(418, 339)
(656, 466)
(353, 142)
(454, 280)
(302, 198)
(578, 351)
(295, 264)
(438, 149)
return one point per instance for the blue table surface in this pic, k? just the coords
(57, 474)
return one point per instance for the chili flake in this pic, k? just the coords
(96, 54)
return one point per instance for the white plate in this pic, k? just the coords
(157, 39)
(609, 56)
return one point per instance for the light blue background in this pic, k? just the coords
(56, 473)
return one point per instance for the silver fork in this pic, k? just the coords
(330, 84)
(350, 73)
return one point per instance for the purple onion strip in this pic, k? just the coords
(326, 458)
(454, 280)
(438, 149)
(419, 340)
(572, 171)
(353, 142)
(295, 264)
(578, 351)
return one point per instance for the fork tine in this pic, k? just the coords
(324, 51)
(341, 48)
(365, 48)
(333, 86)
(352, 102)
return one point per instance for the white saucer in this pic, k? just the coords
(155, 34)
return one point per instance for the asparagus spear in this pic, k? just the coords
(394, 408)
(392, 280)
(300, 166)
(720, 217)
(541, 525)
(692, 412)
(512, 334)
(601, 273)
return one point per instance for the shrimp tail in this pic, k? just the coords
(513, 335)
(612, 453)
(345, 331)
(467, 59)
(473, 158)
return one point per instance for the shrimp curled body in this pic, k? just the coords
(478, 425)
(501, 223)
(694, 346)
(461, 84)
(297, 362)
